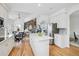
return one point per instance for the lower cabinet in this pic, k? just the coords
(40, 47)
(6, 46)
(60, 40)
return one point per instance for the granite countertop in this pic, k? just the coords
(36, 37)
(6, 36)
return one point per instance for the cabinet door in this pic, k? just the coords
(58, 21)
(61, 21)
(4, 49)
(10, 44)
(58, 40)
(53, 19)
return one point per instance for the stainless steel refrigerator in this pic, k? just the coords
(52, 30)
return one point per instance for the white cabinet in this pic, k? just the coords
(53, 19)
(6, 46)
(39, 44)
(62, 22)
(60, 40)
(3, 11)
(40, 48)
(60, 19)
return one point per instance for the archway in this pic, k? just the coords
(74, 28)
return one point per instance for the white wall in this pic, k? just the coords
(73, 27)
(74, 24)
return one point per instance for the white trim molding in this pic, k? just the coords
(5, 6)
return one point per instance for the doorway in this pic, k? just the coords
(74, 29)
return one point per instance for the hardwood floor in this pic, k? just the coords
(56, 51)
(23, 50)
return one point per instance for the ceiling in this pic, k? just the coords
(36, 8)
(75, 14)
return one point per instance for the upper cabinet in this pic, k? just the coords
(60, 19)
(53, 19)
(3, 11)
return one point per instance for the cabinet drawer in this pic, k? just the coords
(3, 51)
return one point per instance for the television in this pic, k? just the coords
(1, 22)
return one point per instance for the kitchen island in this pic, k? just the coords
(39, 44)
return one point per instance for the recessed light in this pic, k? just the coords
(39, 4)
(50, 8)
